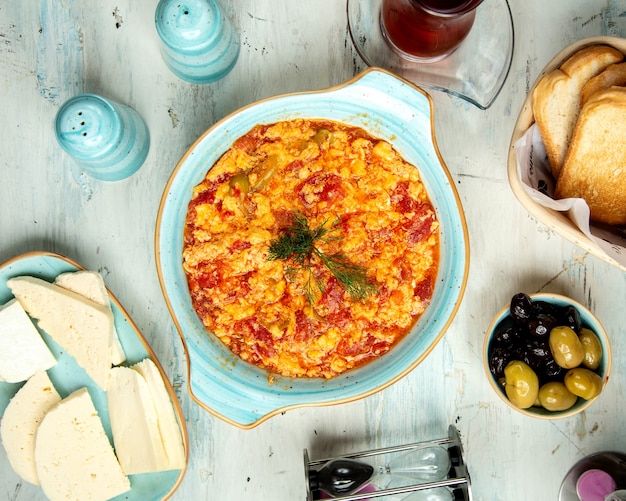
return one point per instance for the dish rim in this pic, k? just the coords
(456, 202)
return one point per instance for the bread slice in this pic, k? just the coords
(595, 166)
(612, 75)
(556, 98)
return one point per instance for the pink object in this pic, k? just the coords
(594, 485)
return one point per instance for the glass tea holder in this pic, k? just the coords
(475, 71)
(599, 476)
(431, 470)
(199, 43)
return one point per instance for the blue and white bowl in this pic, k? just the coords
(389, 108)
(589, 320)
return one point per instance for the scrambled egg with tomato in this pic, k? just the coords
(296, 318)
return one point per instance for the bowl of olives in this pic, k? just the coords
(546, 355)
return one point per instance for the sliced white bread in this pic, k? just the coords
(612, 75)
(595, 166)
(91, 285)
(78, 324)
(20, 421)
(23, 352)
(73, 456)
(556, 98)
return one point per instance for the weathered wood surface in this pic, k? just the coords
(51, 50)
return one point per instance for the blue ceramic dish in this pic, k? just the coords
(67, 376)
(386, 106)
(589, 321)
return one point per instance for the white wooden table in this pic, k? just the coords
(51, 50)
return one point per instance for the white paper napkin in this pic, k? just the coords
(534, 171)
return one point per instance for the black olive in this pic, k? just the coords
(518, 351)
(545, 308)
(531, 359)
(553, 371)
(541, 325)
(498, 360)
(540, 349)
(536, 328)
(571, 318)
(509, 334)
(521, 308)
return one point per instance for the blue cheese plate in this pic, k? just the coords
(67, 376)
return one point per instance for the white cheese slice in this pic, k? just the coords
(73, 456)
(19, 423)
(79, 325)
(22, 350)
(169, 427)
(134, 423)
(91, 285)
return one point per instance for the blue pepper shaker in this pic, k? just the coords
(199, 45)
(109, 140)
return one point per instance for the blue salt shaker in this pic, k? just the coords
(109, 141)
(199, 45)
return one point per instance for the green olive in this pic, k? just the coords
(239, 185)
(265, 171)
(583, 382)
(592, 348)
(321, 136)
(554, 396)
(521, 384)
(566, 348)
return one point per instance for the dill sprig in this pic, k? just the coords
(296, 246)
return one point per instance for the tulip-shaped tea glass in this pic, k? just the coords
(619, 495)
(461, 47)
(426, 30)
